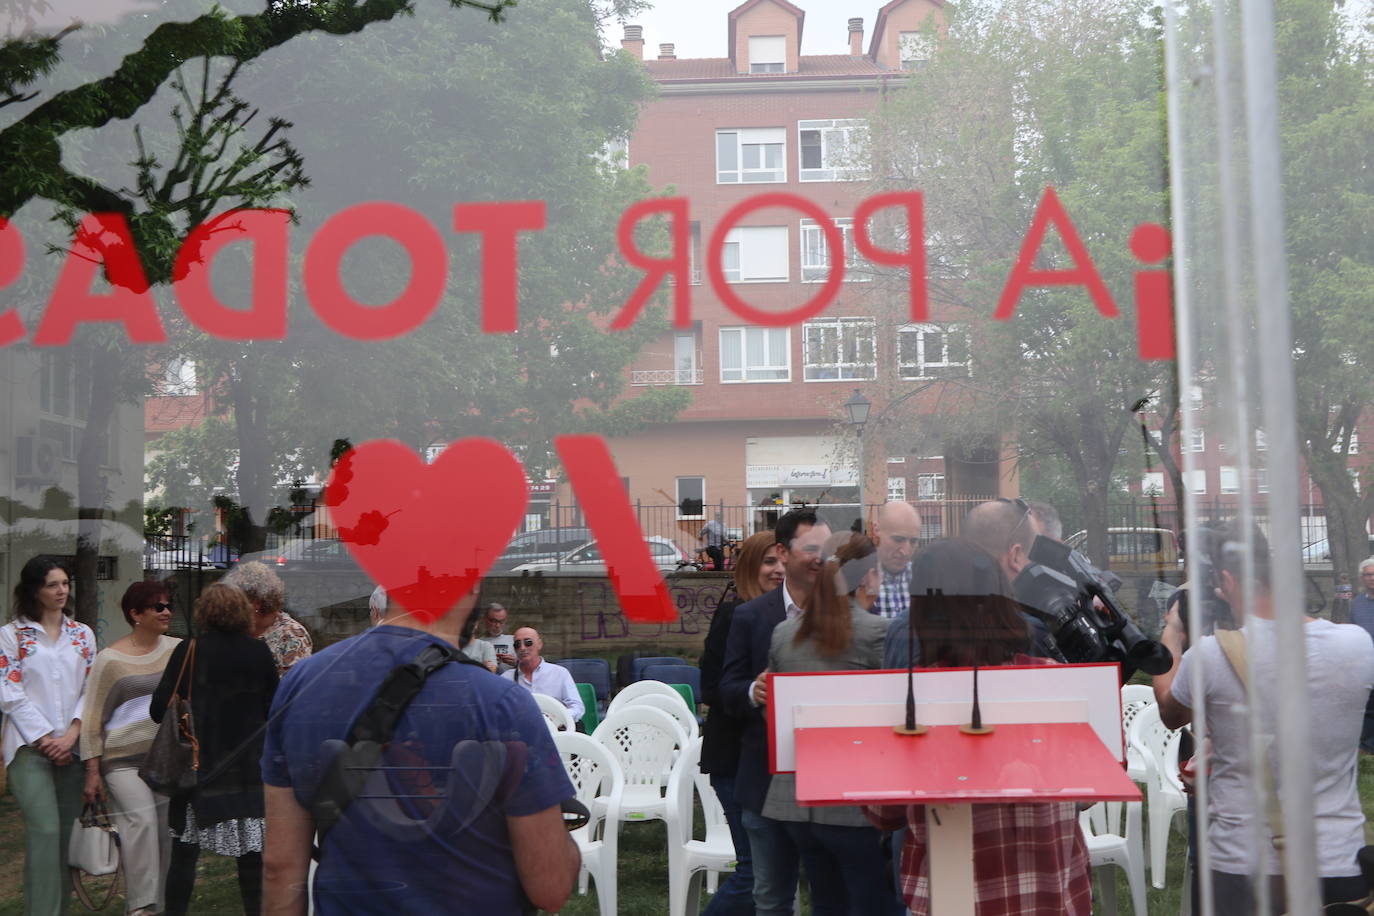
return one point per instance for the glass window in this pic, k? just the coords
(755, 254)
(815, 254)
(930, 486)
(932, 351)
(754, 355)
(748, 155)
(691, 497)
(833, 150)
(839, 348)
(896, 489)
(767, 54)
(1228, 480)
(915, 49)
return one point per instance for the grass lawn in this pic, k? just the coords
(643, 878)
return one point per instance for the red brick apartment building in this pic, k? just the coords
(765, 424)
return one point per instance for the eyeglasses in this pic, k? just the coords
(1024, 506)
(527, 643)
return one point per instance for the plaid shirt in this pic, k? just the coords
(1027, 858)
(895, 595)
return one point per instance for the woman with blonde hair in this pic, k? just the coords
(229, 678)
(758, 569)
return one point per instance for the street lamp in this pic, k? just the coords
(857, 408)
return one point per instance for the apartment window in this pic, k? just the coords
(694, 251)
(915, 48)
(686, 359)
(752, 154)
(831, 150)
(1197, 442)
(1340, 445)
(896, 489)
(1261, 480)
(615, 153)
(1152, 483)
(754, 355)
(839, 348)
(1261, 443)
(930, 486)
(815, 253)
(691, 497)
(767, 54)
(1196, 481)
(932, 351)
(755, 254)
(179, 378)
(1229, 480)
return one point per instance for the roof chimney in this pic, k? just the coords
(665, 52)
(856, 37)
(634, 40)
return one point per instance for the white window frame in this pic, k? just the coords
(677, 492)
(1152, 483)
(763, 56)
(815, 253)
(839, 137)
(745, 239)
(1196, 481)
(921, 368)
(848, 336)
(930, 486)
(770, 344)
(1198, 441)
(1261, 479)
(914, 49)
(896, 489)
(1228, 481)
(745, 139)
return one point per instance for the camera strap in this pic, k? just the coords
(1233, 646)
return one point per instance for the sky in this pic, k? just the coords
(698, 27)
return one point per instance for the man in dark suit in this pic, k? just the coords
(744, 693)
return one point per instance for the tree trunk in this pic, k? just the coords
(1347, 515)
(92, 487)
(254, 474)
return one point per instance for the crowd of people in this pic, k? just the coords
(470, 797)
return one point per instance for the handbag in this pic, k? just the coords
(172, 763)
(93, 850)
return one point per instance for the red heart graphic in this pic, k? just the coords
(427, 532)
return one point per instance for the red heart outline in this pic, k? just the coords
(427, 532)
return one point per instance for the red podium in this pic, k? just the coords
(1056, 737)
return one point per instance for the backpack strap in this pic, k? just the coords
(361, 752)
(1232, 644)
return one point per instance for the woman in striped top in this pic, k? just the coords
(119, 732)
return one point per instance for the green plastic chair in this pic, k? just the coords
(687, 695)
(590, 718)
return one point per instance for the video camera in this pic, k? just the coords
(1064, 590)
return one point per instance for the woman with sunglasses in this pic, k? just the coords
(120, 729)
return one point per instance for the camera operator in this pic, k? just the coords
(1340, 670)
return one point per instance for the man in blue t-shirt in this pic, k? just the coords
(465, 807)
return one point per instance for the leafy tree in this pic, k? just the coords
(1017, 99)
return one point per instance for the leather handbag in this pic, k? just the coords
(172, 764)
(93, 850)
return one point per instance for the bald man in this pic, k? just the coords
(1006, 528)
(896, 532)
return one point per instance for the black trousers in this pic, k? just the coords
(1232, 895)
(181, 879)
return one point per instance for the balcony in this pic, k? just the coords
(646, 378)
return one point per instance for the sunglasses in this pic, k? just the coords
(162, 606)
(527, 643)
(1021, 504)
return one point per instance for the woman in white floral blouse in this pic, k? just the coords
(45, 658)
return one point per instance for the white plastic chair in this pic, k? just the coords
(674, 707)
(1134, 697)
(1109, 844)
(558, 716)
(599, 783)
(1164, 797)
(645, 742)
(690, 860)
(633, 692)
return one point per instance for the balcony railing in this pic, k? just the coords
(642, 378)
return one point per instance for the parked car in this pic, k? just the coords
(1318, 553)
(306, 554)
(587, 559)
(158, 554)
(538, 546)
(1142, 551)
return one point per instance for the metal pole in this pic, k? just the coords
(1294, 704)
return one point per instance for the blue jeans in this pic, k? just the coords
(846, 870)
(735, 895)
(776, 864)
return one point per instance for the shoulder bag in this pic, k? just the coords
(172, 764)
(93, 850)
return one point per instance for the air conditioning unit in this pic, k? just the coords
(38, 460)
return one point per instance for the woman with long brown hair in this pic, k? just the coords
(836, 632)
(758, 569)
(1028, 858)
